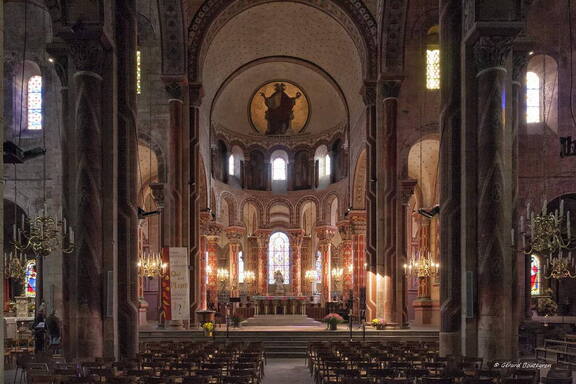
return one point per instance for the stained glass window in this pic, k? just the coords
(231, 165)
(535, 276)
(34, 100)
(240, 267)
(325, 166)
(433, 69)
(318, 267)
(30, 279)
(279, 169)
(138, 72)
(279, 257)
(533, 114)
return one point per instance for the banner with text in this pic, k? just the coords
(176, 284)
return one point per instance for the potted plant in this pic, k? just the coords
(378, 323)
(236, 320)
(208, 328)
(332, 320)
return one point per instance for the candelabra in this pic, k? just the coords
(222, 275)
(43, 235)
(422, 266)
(150, 264)
(249, 278)
(311, 277)
(15, 266)
(549, 236)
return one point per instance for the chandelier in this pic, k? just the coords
(337, 273)
(311, 276)
(549, 235)
(150, 264)
(423, 266)
(249, 277)
(43, 234)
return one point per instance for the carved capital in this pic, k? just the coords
(296, 237)
(87, 55)
(158, 194)
(390, 89)
(213, 230)
(407, 190)
(491, 51)
(369, 93)
(345, 230)
(326, 233)
(263, 238)
(358, 222)
(235, 233)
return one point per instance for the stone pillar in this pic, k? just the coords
(346, 250)
(296, 237)
(83, 330)
(387, 199)
(520, 261)
(2, 287)
(176, 177)
(234, 234)
(358, 227)
(262, 278)
(325, 235)
(126, 37)
(192, 208)
(493, 225)
(450, 170)
(406, 191)
(213, 231)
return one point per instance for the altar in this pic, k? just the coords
(280, 305)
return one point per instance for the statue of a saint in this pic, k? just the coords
(279, 283)
(280, 110)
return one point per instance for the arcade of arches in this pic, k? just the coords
(365, 157)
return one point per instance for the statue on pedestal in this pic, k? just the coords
(279, 283)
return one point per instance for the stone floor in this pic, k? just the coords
(287, 371)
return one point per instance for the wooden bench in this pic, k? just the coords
(564, 352)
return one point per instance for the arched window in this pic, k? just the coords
(240, 267)
(279, 257)
(327, 165)
(279, 169)
(535, 275)
(34, 103)
(533, 93)
(231, 165)
(318, 267)
(432, 59)
(30, 278)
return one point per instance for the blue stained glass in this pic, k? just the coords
(31, 279)
(35, 103)
(279, 257)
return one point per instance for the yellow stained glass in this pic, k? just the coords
(433, 69)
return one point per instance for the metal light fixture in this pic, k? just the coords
(422, 266)
(249, 277)
(43, 235)
(549, 235)
(15, 266)
(337, 273)
(150, 264)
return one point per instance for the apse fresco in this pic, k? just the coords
(279, 108)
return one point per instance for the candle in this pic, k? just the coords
(521, 224)
(545, 206)
(528, 210)
(14, 230)
(512, 236)
(524, 242)
(568, 224)
(562, 207)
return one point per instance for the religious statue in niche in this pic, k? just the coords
(279, 108)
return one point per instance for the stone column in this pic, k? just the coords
(325, 235)
(296, 237)
(450, 170)
(126, 37)
(494, 204)
(213, 231)
(358, 227)
(262, 278)
(83, 329)
(406, 191)
(387, 199)
(520, 261)
(2, 287)
(346, 250)
(234, 234)
(176, 177)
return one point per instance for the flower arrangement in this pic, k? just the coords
(208, 327)
(546, 306)
(332, 320)
(377, 323)
(236, 320)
